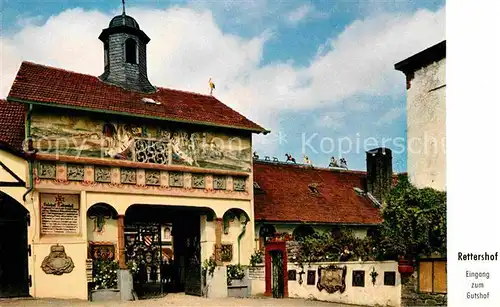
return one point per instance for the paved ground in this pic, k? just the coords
(176, 300)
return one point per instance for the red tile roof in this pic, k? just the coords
(286, 196)
(12, 124)
(53, 86)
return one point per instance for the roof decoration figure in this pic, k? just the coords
(212, 85)
(307, 160)
(290, 158)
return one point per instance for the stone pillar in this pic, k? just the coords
(218, 241)
(121, 241)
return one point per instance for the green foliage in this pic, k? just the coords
(132, 267)
(414, 221)
(209, 266)
(257, 257)
(105, 274)
(325, 246)
(235, 271)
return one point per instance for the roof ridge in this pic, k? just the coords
(306, 166)
(89, 75)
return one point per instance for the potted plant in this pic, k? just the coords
(236, 286)
(105, 281)
(257, 258)
(405, 266)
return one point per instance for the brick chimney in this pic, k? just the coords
(379, 172)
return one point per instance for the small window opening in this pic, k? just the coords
(131, 51)
(106, 54)
(313, 187)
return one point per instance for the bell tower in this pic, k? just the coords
(125, 54)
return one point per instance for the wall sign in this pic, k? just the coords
(256, 273)
(60, 214)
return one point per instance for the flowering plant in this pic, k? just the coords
(235, 271)
(105, 274)
(256, 257)
(132, 267)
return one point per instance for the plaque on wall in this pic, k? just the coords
(60, 214)
(57, 262)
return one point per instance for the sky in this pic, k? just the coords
(318, 74)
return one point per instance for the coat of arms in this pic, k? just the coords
(332, 279)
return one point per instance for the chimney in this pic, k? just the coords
(379, 172)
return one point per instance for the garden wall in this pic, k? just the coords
(359, 288)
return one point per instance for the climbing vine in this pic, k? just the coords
(414, 222)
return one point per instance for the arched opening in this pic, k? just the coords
(13, 248)
(265, 231)
(235, 222)
(131, 51)
(163, 243)
(102, 232)
(302, 232)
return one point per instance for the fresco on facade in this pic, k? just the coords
(82, 136)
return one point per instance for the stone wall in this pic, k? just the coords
(411, 297)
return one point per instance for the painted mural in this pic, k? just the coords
(82, 136)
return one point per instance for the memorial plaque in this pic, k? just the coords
(60, 214)
(256, 273)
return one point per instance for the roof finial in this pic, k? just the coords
(123, 4)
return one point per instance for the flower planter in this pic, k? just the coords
(405, 267)
(105, 295)
(237, 288)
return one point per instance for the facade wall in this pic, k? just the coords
(370, 295)
(120, 197)
(426, 125)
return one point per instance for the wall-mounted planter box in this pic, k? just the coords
(238, 288)
(105, 295)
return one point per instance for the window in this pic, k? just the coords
(311, 278)
(106, 54)
(292, 275)
(131, 51)
(432, 276)
(358, 278)
(389, 278)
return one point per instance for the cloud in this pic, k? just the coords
(188, 47)
(303, 13)
(391, 115)
(331, 120)
(300, 13)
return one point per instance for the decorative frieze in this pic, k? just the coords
(102, 174)
(76, 172)
(239, 183)
(198, 181)
(152, 177)
(128, 175)
(176, 179)
(219, 182)
(47, 170)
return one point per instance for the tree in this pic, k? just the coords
(414, 221)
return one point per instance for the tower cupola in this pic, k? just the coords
(125, 54)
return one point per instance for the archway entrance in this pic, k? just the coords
(13, 248)
(163, 242)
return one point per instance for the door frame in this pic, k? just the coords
(279, 246)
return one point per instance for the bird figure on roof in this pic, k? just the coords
(212, 85)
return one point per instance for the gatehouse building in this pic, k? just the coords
(113, 167)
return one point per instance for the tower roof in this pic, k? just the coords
(124, 20)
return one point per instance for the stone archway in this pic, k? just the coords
(14, 280)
